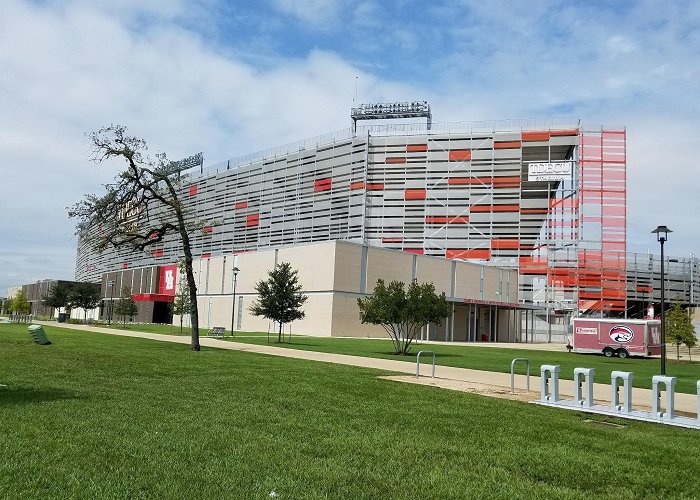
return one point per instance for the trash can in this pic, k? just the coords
(38, 335)
(62, 317)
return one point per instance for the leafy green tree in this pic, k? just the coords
(403, 313)
(691, 342)
(279, 297)
(679, 328)
(125, 306)
(182, 305)
(20, 304)
(141, 208)
(57, 296)
(85, 295)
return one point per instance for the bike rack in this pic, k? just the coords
(580, 373)
(512, 373)
(670, 386)
(418, 362)
(626, 378)
(547, 371)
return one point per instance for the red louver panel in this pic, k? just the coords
(460, 155)
(395, 160)
(207, 229)
(125, 265)
(323, 184)
(241, 204)
(411, 148)
(375, 187)
(357, 185)
(252, 220)
(414, 194)
(193, 190)
(536, 136)
(418, 251)
(446, 220)
(157, 252)
(478, 253)
(495, 208)
(507, 145)
(205, 255)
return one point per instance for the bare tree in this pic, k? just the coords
(141, 208)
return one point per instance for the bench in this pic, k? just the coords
(217, 331)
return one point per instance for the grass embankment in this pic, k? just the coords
(98, 416)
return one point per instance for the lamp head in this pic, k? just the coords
(661, 233)
(235, 271)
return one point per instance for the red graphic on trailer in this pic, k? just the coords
(621, 334)
(168, 279)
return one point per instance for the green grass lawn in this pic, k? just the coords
(99, 416)
(478, 358)
(499, 359)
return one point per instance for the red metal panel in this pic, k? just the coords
(507, 145)
(414, 250)
(446, 220)
(168, 279)
(460, 155)
(207, 229)
(252, 220)
(323, 184)
(395, 159)
(241, 204)
(193, 190)
(540, 135)
(357, 185)
(157, 252)
(416, 147)
(375, 187)
(205, 256)
(153, 297)
(414, 194)
(495, 208)
(125, 265)
(475, 253)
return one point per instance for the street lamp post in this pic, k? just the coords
(110, 284)
(661, 236)
(233, 304)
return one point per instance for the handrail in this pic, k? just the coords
(512, 373)
(418, 362)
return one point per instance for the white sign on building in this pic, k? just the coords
(558, 171)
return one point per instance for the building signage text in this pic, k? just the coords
(558, 171)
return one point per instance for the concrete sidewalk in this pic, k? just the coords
(462, 379)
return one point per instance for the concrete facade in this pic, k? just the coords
(335, 273)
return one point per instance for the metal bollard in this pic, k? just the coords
(588, 373)
(626, 377)
(670, 384)
(547, 371)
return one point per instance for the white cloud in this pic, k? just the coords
(323, 14)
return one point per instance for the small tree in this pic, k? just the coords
(57, 296)
(141, 208)
(279, 297)
(125, 306)
(679, 328)
(19, 304)
(182, 305)
(403, 313)
(85, 295)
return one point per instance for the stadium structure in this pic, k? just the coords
(544, 197)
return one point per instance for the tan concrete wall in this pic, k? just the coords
(436, 271)
(317, 321)
(491, 277)
(388, 265)
(315, 264)
(346, 319)
(348, 267)
(467, 283)
(460, 323)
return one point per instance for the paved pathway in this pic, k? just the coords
(448, 377)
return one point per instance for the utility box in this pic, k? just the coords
(617, 337)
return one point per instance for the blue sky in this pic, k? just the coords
(231, 78)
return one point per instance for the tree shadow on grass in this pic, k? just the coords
(29, 395)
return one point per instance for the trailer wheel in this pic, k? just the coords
(622, 353)
(609, 352)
